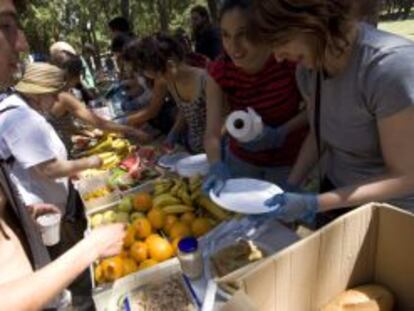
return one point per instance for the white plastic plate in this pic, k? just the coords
(246, 196)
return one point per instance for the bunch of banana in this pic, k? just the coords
(97, 193)
(177, 209)
(109, 160)
(195, 184)
(164, 200)
(162, 186)
(104, 145)
(120, 146)
(212, 208)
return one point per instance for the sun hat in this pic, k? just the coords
(41, 78)
(62, 46)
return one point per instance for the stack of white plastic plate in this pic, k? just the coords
(193, 166)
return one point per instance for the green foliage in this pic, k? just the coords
(82, 21)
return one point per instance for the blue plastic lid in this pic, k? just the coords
(188, 245)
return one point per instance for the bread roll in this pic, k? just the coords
(362, 298)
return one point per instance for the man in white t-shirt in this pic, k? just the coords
(28, 140)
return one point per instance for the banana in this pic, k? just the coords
(177, 185)
(213, 208)
(177, 209)
(184, 195)
(101, 147)
(106, 155)
(161, 189)
(196, 194)
(165, 200)
(195, 187)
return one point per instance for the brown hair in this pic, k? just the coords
(153, 52)
(327, 21)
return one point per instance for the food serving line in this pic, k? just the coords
(157, 193)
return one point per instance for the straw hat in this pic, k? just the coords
(62, 46)
(41, 78)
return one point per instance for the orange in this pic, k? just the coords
(129, 266)
(99, 274)
(147, 263)
(156, 217)
(169, 221)
(201, 226)
(142, 202)
(123, 253)
(187, 218)
(139, 251)
(160, 249)
(175, 245)
(151, 238)
(113, 268)
(142, 228)
(129, 236)
(179, 230)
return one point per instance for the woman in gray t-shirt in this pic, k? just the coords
(361, 107)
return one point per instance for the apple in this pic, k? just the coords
(122, 217)
(97, 220)
(109, 217)
(125, 205)
(136, 215)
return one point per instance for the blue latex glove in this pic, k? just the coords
(216, 178)
(294, 206)
(270, 138)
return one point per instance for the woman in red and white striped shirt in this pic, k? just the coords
(247, 75)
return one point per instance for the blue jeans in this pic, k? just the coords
(239, 168)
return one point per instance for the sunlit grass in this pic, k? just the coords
(403, 28)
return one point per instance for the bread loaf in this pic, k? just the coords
(362, 298)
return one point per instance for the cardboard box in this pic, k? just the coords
(372, 244)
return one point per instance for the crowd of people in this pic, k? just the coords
(334, 93)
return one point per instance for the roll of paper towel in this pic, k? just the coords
(244, 126)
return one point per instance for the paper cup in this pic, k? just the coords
(50, 228)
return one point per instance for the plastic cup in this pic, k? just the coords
(50, 228)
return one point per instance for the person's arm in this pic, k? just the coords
(34, 291)
(395, 134)
(76, 108)
(64, 168)
(179, 124)
(307, 159)
(215, 104)
(151, 111)
(297, 122)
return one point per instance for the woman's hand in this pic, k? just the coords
(40, 209)
(107, 241)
